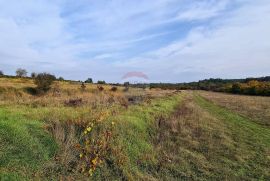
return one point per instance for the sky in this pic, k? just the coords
(166, 40)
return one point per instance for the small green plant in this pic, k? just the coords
(95, 148)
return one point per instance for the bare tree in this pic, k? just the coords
(21, 72)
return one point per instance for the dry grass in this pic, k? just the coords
(254, 107)
(194, 144)
(189, 142)
(17, 92)
(177, 136)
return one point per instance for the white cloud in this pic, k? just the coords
(235, 47)
(230, 39)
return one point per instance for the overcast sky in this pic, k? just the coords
(167, 40)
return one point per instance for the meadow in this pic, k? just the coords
(70, 133)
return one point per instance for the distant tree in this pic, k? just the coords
(33, 75)
(89, 80)
(44, 81)
(126, 84)
(21, 72)
(61, 79)
(101, 82)
(1, 73)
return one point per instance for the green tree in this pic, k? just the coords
(101, 82)
(61, 79)
(89, 80)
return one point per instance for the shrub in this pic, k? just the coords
(101, 82)
(236, 88)
(83, 87)
(114, 89)
(100, 88)
(61, 79)
(33, 75)
(44, 81)
(126, 84)
(21, 72)
(1, 73)
(89, 80)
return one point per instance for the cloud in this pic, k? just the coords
(230, 47)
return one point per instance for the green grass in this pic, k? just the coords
(24, 144)
(238, 123)
(210, 142)
(251, 143)
(135, 130)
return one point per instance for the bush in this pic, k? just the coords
(44, 81)
(100, 88)
(1, 73)
(33, 75)
(101, 82)
(61, 79)
(21, 72)
(236, 88)
(114, 89)
(83, 87)
(89, 80)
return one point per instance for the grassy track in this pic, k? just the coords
(251, 142)
(135, 129)
(239, 123)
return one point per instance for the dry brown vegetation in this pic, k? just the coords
(70, 133)
(255, 107)
(18, 92)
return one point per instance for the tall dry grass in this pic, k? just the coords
(254, 107)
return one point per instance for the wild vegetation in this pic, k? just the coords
(248, 86)
(85, 131)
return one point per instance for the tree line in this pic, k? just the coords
(248, 86)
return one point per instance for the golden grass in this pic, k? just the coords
(254, 107)
(17, 92)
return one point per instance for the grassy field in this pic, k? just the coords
(139, 134)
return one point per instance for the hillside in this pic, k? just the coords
(135, 134)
